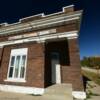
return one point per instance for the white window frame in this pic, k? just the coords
(16, 52)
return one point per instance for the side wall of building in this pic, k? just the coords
(72, 73)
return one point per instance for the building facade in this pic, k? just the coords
(40, 51)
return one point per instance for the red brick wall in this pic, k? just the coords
(72, 73)
(1, 53)
(69, 61)
(38, 72)
(35, 65)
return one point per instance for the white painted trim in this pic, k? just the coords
(60, 12)
(40, 23)
(33, 34)
(73, 37)
(15, 80)
(80, 95)
(4, 24)
(58, 74)
(20, 51)
(70, 34)
(67, 7)
(41, 14)
(35, 25)
(58, 18)
(54, 22)
(22, 89)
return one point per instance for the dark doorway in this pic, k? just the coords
(57, 52)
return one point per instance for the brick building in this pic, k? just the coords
(39, 51)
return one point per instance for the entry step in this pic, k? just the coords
(60, 91)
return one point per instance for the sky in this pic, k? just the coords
(89, 39)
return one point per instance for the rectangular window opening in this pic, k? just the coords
(17, 64)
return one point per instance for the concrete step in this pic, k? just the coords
(60, 91)
(58, 97)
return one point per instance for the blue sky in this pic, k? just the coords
(89, 40)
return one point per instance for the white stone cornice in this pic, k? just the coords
(42, 38)
(45, 22)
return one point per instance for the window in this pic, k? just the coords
(17, 65)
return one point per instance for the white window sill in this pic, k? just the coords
(15, 80)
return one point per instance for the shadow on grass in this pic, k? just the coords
(85, 81)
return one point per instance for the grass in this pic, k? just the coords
(92, 76)
(90, 94)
